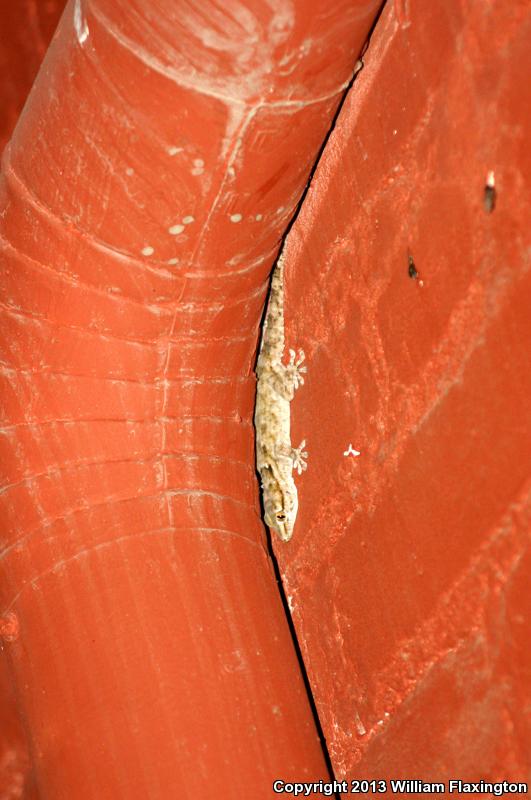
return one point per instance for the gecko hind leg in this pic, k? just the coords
(299, 456)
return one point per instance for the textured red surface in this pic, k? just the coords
(26, 27)
(408, 572)
(151, 175)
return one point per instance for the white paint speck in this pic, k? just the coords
(80, 23)
(280, 209)
(147, 251)
(175, 229)
(173, 261)
(491, 181)
(351, 452)
(188, 220)
(258, 217)
(236, 217)
(172, 151)
(129, 171)
(395, 132)
(231, 172)
(199, 166)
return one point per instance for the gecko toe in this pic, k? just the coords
(299, 456)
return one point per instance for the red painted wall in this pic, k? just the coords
(408, 573)
(26, 27)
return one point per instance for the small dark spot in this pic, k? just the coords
(412, 270)
(489, 199)
(489, 194)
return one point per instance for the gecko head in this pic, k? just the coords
(280, 514)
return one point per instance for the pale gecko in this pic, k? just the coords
(276, 459)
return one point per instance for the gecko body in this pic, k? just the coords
(276, 459)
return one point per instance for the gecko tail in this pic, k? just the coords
(277, 279)
(272, 346)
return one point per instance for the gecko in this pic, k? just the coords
(276, 459)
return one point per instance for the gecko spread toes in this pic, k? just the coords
(294, 371)
(299, 456)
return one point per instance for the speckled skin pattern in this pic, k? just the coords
(275, 457)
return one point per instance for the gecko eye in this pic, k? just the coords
(281, 516)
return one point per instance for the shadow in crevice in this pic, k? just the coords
(274, 561)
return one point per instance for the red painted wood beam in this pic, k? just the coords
(153, 171)
(26, 27)
(407, 285)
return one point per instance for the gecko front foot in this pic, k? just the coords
(294, 371)
(299, 456)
